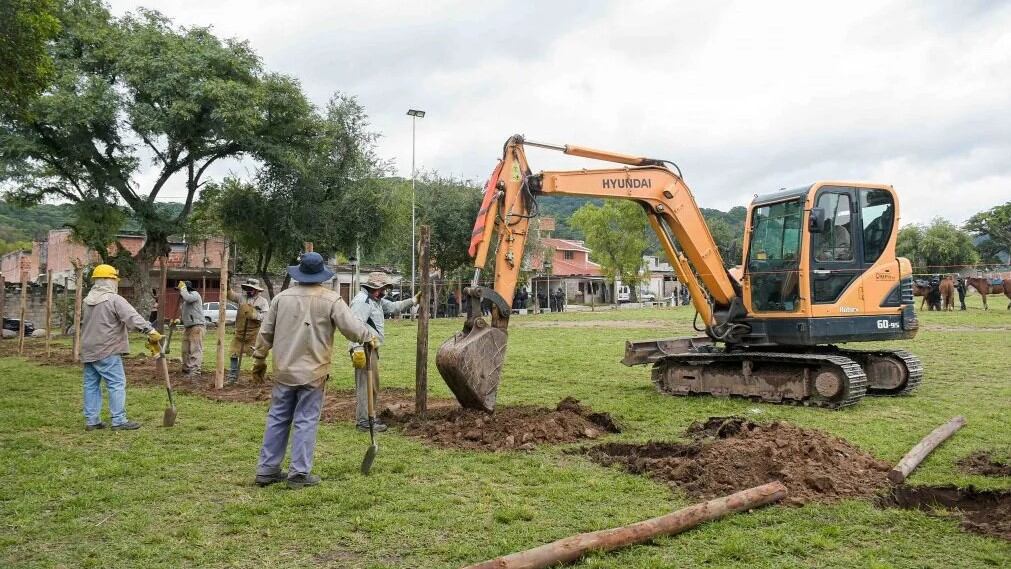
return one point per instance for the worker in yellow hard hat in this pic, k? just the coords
(104, 324)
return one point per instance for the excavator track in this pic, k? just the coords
(889, 372)
(827, 380)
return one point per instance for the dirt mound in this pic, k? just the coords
(985, 512)
(982, 463)
(520, 428)
(729, 454)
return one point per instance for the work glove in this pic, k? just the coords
(181, 285)
(372, 343)
(358, 358)
(259, 370)
(154, 342)
(247, 311)
(177, 322)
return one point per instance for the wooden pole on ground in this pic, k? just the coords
(421, 359)
(49, 312)
(219, 368)
(572, 548)
(923, 448)
(23, 311)
(78, 297)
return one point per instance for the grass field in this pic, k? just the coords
(184, 496)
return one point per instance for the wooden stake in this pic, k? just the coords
(572, 548)
(163, 311)
(24, 311)
(421, 359)
(923, 448)
(219, 371)
(3, 298)
(49, 312)
(78, 297)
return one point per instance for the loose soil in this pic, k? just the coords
(985, 512)
(982, 463)
(519, 428)
(728, 454)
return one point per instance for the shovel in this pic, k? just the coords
(169, 418)
(370, 366)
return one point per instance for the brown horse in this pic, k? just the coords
(983, 286)
(921, 291)
(947, 287)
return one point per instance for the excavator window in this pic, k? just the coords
(773, 256)
(877, 212)
(835, 259)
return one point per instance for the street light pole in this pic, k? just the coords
(415, 115)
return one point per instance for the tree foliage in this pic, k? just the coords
(137, 90)
(994, 223)
(616, 232)
(938, 247)
(26, 67)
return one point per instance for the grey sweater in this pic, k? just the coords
(104, 328)
(192, 308)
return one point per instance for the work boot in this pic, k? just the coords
(98, 425)
(127, 426)
(298, 481)
(378, 426)
(268, 479)
(233, 369)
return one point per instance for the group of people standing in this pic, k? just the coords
(296, 329)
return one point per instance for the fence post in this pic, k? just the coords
(23, 311)
(78, 297)
(421, 359)
(49, 312)
(219, 369)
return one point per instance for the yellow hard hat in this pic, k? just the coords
(105, 272)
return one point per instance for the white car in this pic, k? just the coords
(211, 313)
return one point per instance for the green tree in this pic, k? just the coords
(26, 67)
(616, 232)
(140, 89)
(938, 247)
(994, 223)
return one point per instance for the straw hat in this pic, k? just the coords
(378, 279)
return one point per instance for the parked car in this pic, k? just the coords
(625, 295)
(13, 324)
(211, 312)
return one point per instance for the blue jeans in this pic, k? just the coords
(111, 369)
(297, 407)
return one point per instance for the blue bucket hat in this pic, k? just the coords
(310, 269)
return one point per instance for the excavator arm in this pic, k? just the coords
(471, 360)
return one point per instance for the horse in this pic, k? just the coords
(947, 288)
(983, 286)
(922, 289)
(928, 289)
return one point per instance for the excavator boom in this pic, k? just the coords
(471, 360)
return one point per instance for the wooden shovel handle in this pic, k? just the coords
(370, 371)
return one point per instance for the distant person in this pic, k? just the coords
(105, 320)
(299, 329)
(524, 295)
(192, 315)
(960, 287)
(560, 300)
(253, 308)
(153, 314)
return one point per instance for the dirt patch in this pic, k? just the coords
(519, 428)
(982, 463)
(985, 512)
(728, 454)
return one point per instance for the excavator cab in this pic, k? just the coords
(819, 270)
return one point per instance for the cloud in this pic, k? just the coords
(746, 97)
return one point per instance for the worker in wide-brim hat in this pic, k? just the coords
(253, 309)
(299, 330)
(371, 307)
(105, 320)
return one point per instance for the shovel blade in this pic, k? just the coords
(370, 457)
(169, 418)
(471, 364)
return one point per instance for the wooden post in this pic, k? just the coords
(49, 312)
(572, 548)
(3, 298)
(23, 312)
(163, 311)
(919, 452)
(78, 297)
(66, 306)
(421, 359)
(219, 369)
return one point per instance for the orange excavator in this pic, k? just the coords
(819, 270)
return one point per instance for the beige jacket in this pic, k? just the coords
(299, 328)
(104, 325)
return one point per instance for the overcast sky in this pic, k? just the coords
(746, 97)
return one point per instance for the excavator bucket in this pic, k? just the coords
(471, 364)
